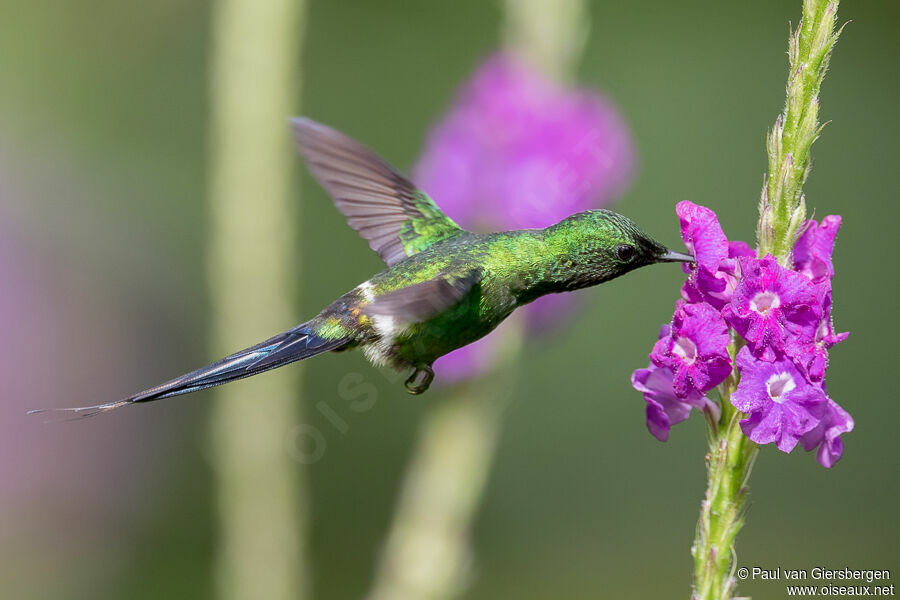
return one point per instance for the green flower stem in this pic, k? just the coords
(728, 463)
(262, 510)
(782, 208)
(782, 212)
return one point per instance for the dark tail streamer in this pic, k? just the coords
(287, 347)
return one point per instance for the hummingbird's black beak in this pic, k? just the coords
(672, 256)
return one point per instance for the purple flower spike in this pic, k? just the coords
(812, 252)
(782, 405)
(768, 299)
(833, 421)
(785, 317)
(695, 349)
(517, 150)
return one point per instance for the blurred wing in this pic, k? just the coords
(387, 210)
(422, 301)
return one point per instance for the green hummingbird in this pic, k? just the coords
(444, 287)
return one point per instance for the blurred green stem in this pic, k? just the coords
(252, 269)
(427, 550)
(782, 213)
(427, 547)
(548, 34)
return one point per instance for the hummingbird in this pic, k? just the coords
(443, 287)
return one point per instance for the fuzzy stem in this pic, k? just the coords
(782, 207)
(728, 464)
(782, 213)
(262, 509)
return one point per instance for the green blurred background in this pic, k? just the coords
(103, 157)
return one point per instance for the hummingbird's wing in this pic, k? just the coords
(388, 211)
(422, 301)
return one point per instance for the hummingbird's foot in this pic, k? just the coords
(419, 381)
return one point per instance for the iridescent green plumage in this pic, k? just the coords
(500, 271)
(443, 287)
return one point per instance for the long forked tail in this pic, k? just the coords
(287, 347)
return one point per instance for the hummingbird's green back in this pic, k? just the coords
(460, 288)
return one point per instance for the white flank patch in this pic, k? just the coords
(368, 290)
(385, 327)
(379, 351)
(376, 355)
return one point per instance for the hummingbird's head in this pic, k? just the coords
(597, 245)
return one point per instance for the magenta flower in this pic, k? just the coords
(833, 421)
(696, 349)
(664, 407)
(781, 405)
(810, 352)
(519, 151)
(784, 316)
(812, 252)
(702, 235)
(737, 248)
(769, 299)
(716, 273)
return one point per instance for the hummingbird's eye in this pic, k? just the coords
(625, 253)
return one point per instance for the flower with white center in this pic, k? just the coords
(664, 407)
(695, 349)
(769, 300)
(781, 405)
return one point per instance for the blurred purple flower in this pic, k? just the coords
(519, 151)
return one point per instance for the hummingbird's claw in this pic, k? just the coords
(420, 379)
